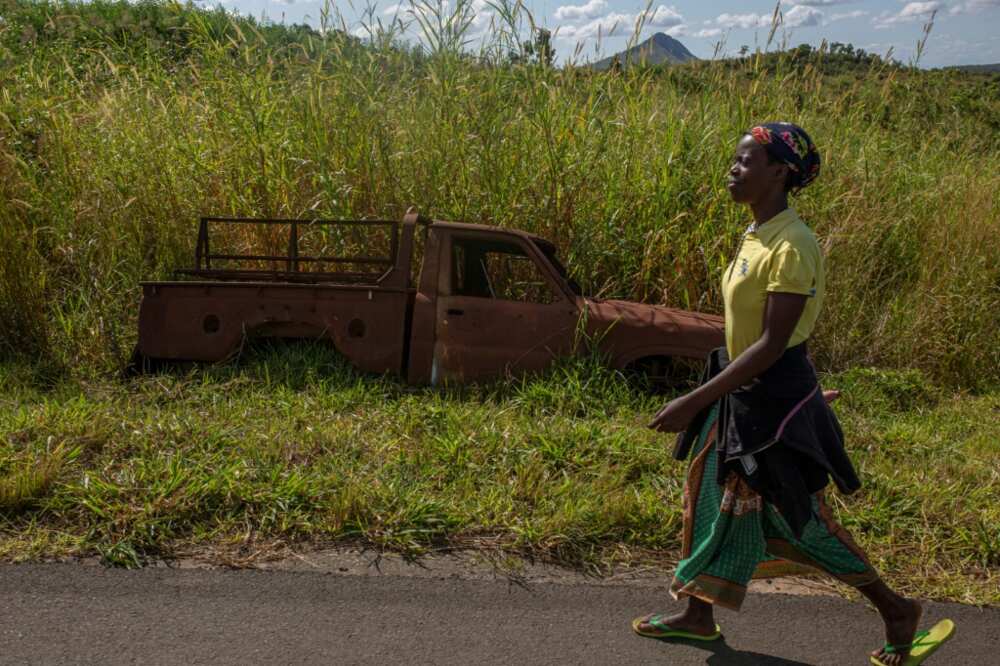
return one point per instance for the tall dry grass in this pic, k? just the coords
(113, 140)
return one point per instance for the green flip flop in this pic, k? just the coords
(924, 644)
(662, 630)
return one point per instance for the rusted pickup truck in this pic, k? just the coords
(440, 301)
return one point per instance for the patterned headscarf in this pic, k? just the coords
(790, 145)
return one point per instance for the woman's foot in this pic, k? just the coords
(692, 621)
(901, 622)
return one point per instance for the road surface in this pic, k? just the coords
(78, 614)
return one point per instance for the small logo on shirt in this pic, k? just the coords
(744, 266)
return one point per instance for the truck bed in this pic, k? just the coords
(209, 320)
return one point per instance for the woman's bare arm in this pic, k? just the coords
(781, 314)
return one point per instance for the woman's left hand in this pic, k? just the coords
(675, 415)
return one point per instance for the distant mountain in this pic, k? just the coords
(658, 49)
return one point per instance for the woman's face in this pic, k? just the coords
(752, 176)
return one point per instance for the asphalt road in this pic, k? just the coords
(75, 614)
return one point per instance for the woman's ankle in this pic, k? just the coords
(699, 609)
(886, 600)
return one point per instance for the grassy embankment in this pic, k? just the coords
(292, 447)
(119, 128)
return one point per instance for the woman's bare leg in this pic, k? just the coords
(900, 615)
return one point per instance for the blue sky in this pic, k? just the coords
(965, 31)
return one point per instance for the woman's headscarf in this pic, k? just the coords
(790, 145)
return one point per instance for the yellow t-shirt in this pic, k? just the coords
(781, 256)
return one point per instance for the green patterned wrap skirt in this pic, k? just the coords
(732, 535)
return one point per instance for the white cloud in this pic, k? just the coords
(480, 24)
(743, 20)
(412, 7)
(913, 11)
(820, 3)
(801, 16)
(408, 12)
(668, 19)
(592, 9)
(973, 6)
(857, 13)
(708, 32)
(917, 9)
(664, 17)
(612, 24)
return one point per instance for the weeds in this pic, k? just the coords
(28, 482)
(121, 123)
(290, 445)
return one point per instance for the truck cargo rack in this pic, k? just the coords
(289, 267)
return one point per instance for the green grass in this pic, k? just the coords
(292, 446)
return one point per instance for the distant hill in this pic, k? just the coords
(995, 67)
(658, 49)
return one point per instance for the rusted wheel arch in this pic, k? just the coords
(660, 373)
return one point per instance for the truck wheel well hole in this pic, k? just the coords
(663, 374)
(356, 329)
(295, 362)
(211, 324)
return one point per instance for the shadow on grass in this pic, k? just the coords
(581, 385)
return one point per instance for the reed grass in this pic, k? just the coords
(121, 123)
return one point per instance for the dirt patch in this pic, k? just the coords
(466, 565)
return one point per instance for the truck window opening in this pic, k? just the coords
(486, 274)
(499, 270)
(549, 251)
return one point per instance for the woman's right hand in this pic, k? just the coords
(675, 415)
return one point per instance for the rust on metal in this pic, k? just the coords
(476, 303)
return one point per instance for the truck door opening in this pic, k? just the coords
(500, 310)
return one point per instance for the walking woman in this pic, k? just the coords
(763, 441)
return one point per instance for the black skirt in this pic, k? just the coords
(779, 434)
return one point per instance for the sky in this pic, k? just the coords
(964, 32)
